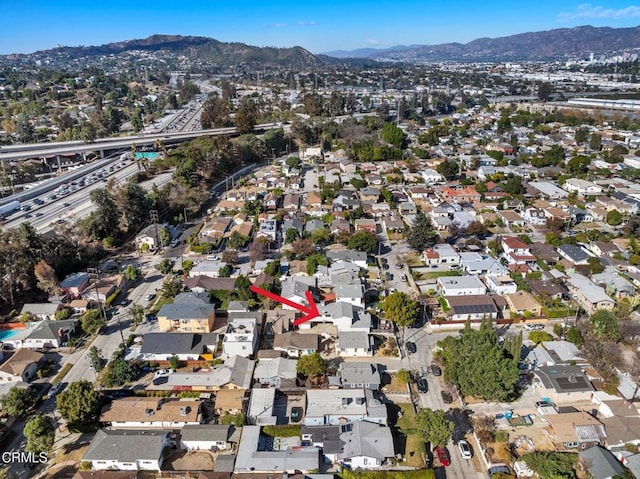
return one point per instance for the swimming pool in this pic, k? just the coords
(7, 333)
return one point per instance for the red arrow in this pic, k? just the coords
(311, 311)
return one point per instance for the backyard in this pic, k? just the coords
(407, 438)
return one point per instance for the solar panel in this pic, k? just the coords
(473, 308)
(575, 383)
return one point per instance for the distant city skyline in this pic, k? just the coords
(31, 25)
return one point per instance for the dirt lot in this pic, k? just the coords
(189, 461)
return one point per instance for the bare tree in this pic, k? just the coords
(46, 276)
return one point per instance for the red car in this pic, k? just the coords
(443, 456)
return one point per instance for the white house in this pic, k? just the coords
(151, 413)
(460, 285)
(431, 176)
(354, 344)
(517, 251)
(268, 229)
(207, 268)
(208, 437)
(582, 187)
(240, 338)
(350, 293)
(441, 254)
(127, 450)
(21, 366)
(335, 406)
(367, 445)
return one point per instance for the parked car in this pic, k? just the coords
(435, 370)
(150, 296)
(423, 385)
(411, 347)
(398, 265)
(533, 327)
(296, 413)
(446, 397)
(443, 456)
(56, 389)
(162, 372)
(403, 278)
(160, 380)
(465, 449)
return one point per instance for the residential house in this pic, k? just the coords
(235, 373)
(621, 420)
(563, 383)
(535, 216)
(590, 296)
(186, 346)
(431, 176)
(460, 285)
(75, 284)
(127, 450)
(546, 288)
(295, 290)
(500, 284)
(357, 375)
(511, 218)
(582, 187)
(472, 307)
(352, 293)
(522, 302)
(600, 248)
(295, 344)
(393, 224)
(206, 437)
(291, 202)
(366, 445)
(50, 334)
(240, 337)
(460, 195)
(575, 431)
(268, 229)
(340, 225)
(354, 344)
(253, 457)
(440, 254)
(20, 366)
(292, 223)
(335, 406)
(215, 229)
(151, 413)
(613, 283)
(203, 284)
(358, 258)
(207, 268)
(150, 236)
(41, 311)
(314, 225)
(600, 463)
(574, 254)
(545, 252)
(517, 251)
(261, 407)
(189, 313)
(364, 224)
(275, 371)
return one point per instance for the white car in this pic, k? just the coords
(465, 449)
(162, 372)
(533, 327)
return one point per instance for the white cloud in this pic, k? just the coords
(279, 25)
(586, 10)
(306, 23)
(371, 42)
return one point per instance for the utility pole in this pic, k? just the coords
(155, 220)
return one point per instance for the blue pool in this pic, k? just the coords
(7, 333)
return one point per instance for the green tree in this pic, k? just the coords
(480, 367)
(544, 91)
(314, 260)
(605, 326)
(165, 266)
(434, 427)
(120, 372)
(421, 235)
(595, 143)
(393, 134)
(449, 169)
(187, 264)
(581, 135)
(246, 116)
(91, 321)
(574, 336)
(291, 235)
(95, 359)
(404, 376)
(225, 271)
(62, 314)
(19, 401)
(311, 365)
(132, 273)
(174, 362)
(136, 311)
(539, 336)
(80, 403)
(400, 309)
(293, 162)
(237, 240)
(171, 288)
(552, 465)
(363, 241)
(514, 186)
(614, 218)
(40, 434)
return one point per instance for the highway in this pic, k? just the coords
(76, 205)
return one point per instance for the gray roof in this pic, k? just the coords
(346, 255)
(74, 279)
(224, 463)
(328, 436)
(236, 370)
(349, 291)
(339, 309)
(314, 224)
(354, 339)
(48, 329)
(206, 432)
(177, 343)
(564, 378)
(369, 439)
(591, 291)
(359, 373)
(40, 309)
(188, 306)
(601, 463)
(575, 253)
(126, 445)
(277, 367)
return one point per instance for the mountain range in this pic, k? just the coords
(561, 43)
(558, 44)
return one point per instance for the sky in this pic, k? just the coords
(320, 26)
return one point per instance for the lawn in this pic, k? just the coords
(438, 274)
(413, 260)
(443, 304)
(407, 423)
(414, 447)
